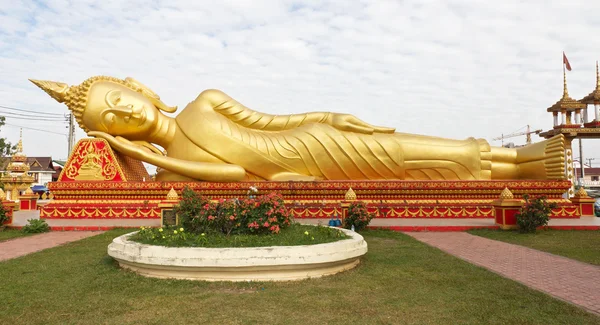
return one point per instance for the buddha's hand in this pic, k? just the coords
(350, 123)
(122, 145)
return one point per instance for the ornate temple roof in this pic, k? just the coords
(594, 96)
(566, 103)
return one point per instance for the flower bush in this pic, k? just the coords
(3, 217)
(255, 215)
(358, 216)
(534, 214)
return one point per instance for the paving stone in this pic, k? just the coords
(26, 245)
(561, 277)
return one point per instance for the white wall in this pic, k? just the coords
(43, 178)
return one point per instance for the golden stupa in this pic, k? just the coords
(16, 178)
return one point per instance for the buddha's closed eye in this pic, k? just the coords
(113, 98)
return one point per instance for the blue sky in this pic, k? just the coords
(446, 68)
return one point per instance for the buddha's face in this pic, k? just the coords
(118, 110)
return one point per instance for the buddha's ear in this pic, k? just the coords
(112, 98)
(154, 98)
(162, 106)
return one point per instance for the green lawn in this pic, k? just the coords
(576, 244)
(8, 233)
(400, 281)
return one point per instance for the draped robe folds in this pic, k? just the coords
(313, 148)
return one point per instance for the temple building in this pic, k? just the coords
(15, 176)
(41, 168)
(571, 118)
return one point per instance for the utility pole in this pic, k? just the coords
(590, 161)
(71, 128)
(581, 160)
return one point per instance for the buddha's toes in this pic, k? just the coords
(554, 157)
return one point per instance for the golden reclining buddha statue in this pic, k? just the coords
(215, 138)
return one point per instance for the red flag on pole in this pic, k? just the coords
(566, 62)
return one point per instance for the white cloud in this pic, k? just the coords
(445, 68)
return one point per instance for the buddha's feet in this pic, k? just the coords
(542, 160)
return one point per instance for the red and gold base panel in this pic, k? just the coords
(322, 199)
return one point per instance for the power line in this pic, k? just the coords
(28, 111)
(50, 119)
(34, 129)
(30, 115)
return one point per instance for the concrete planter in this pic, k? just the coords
(272, 263)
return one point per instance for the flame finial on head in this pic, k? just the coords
(56, 90)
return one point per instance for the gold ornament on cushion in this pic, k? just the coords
(215, 138)
(506, 194)
(581, 192)
(172, 195)
(350, 195)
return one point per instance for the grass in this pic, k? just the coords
(400, 280)
(295, 234)
(9, 233)
(579, 245)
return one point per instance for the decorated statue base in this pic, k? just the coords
(97, 182)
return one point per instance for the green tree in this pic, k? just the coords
(6, 148)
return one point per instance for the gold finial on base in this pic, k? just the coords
(2, 195)
(506, 194)
(581, 192)
(172, 195)
(28, 191)
(350, 195)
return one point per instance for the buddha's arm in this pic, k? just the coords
(213, 172)
(249, 118)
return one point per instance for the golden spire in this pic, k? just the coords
(20, 144)
(565, 90)
(597, 77)
(56, 90)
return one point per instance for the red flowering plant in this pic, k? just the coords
(534, 214)
(264, 214)
(358, 216)
(196, 213)
(257, 215)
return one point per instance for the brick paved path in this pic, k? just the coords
(22, 246)
(564, 278)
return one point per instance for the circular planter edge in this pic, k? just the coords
(270, 263)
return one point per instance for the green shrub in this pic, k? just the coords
(36, 226)
(254, 215)
(534, 214)
(358, 216)
(3, 217)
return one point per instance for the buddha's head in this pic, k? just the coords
(115, 106)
